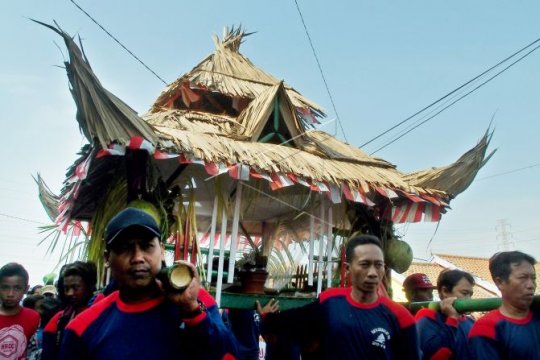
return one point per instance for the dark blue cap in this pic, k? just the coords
(128, 218)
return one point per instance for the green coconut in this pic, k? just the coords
(399, 255)
(147, 207)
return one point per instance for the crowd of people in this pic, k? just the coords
(137, 317)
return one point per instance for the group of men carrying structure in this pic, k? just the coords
(144, 320)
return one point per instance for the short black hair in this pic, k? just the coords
(360, 240)
(500, 264)
(14, 269)
(86, 270)
(449, 279)
(31, 300)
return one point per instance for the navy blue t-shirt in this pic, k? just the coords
(443, 337)
(112, 329)
(338, 327)
(495, 336)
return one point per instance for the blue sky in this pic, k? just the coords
(383, 61)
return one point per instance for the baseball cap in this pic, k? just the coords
(129, 218)
(49, 289)
(418, 281)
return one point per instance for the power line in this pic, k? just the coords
(22, 219)
(457, 100)
(321, 71)
(118, 41)
(509, 172)
(452, 92)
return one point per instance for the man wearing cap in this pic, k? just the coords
(418, 287)
(141, 320)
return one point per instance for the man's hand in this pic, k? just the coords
(447, 307)
(186, 299)
(271, 307)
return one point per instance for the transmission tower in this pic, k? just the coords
(504, 235)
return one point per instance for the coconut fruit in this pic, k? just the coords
(399, 255)
(147, 207)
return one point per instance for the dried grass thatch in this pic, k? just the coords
(226, 71)
(455, 178)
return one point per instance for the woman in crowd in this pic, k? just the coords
(76, 286)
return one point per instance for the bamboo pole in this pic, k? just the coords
(234, 232)
(222, 240)
(466, 305)
(329, 249)
(321, 248)
(210, 256)
(311, 248)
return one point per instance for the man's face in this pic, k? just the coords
(367, 268)
(76, 291)
(519, 289)
(12, 289)
(462, 290)
(135, 261)
(422, 295)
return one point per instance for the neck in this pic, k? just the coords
(134, 296)
(512, 311)
(363, 297)
(10, 310)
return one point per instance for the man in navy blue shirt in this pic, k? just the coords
(140, 321)
(513, 330)
(354, 322)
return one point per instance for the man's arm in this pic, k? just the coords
(436, 339)
(208, 336)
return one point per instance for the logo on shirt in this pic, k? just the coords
(381, 336)
(12, 342)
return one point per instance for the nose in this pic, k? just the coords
(69, 292)
(372, 272)
(138, 254)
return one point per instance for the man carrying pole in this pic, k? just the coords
(513, 330)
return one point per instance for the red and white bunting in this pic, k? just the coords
(432, 213)
(82, 169)
(140, 143)
(215, 168)
(239, 172)
(161, 155)
(388, 193)
(413, 197)
(260, 175)
(334, 194)
(112, 150)
(280, 181)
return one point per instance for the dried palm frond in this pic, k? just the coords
(455, 178)
(101, 115)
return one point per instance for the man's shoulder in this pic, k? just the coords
(404, 317)
(82, 321)
(486, 325)
(333, 293)
(30, 314)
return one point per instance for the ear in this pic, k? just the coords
(445, 292)
(347, 268)
(498, 282)
(162, 245)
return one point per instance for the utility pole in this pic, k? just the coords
(504, 235)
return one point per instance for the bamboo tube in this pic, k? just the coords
(466, 305)
(210, 256)
(234, 232)
(321, 248)
(329, 249)
(311, 248)
(222, 240)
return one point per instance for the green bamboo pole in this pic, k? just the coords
(466, 305)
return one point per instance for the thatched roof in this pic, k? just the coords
(228, 115)
(228, 72)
